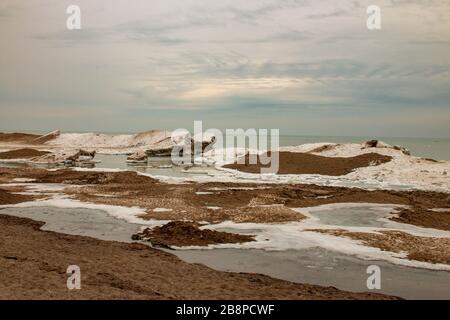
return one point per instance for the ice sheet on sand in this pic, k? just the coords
(402, 169)
(444, 210)
(279, 237)
(402, 172)
(162, 210)
(129, 214)
(234, 176)
(38, 187)
(113, 144)
(23, 180)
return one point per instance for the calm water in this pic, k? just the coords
(436, 148)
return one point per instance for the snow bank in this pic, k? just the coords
(402, 172)
(113, 144)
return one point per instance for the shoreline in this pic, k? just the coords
(221, 206)
(128, 271)
(252, 211)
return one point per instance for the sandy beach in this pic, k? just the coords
(126, 271)
(210, 212)
(203, 151)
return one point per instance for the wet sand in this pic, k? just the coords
(425, 218)
(12, 198)
(314, 265)
(305, 163)
(218, 202)
(113, 270)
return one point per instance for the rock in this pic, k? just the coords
(82, 155)
(66, 158)
(140, 156)
(430, 160)
(376, 144)
(403, 150)
(382, 144)
(371, 144)
(166, 150)
(160, 152)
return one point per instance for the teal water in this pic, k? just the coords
(435, 148)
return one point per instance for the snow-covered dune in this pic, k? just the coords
(112, 144)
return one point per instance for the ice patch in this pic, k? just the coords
(162, 210)
(23, 180)
(129, 214)
(293, 236)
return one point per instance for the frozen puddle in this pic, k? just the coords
(78, 221)
(351, 216)
(326, 268)
(308, 263)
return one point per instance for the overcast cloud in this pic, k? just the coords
(304, 66)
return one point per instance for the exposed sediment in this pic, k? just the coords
(185, 233)
(217, 202)
(7, 197)
(25, 153)
(113, 270)
(305, 163)
(423, 217)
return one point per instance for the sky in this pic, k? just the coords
(307, 67)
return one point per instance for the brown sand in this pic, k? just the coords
(184, 233)
(101, 178)
(10, 198)
(18, 137)
(305, 163)
(424, 218)
(25, 138)
(113, 270)
(25, 153)
(257, 203)
(427, 249)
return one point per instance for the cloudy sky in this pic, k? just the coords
(304, 66)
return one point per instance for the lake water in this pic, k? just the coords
(435, 148)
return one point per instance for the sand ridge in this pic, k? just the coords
(24, 153)
(305, 163)
(185, 233)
